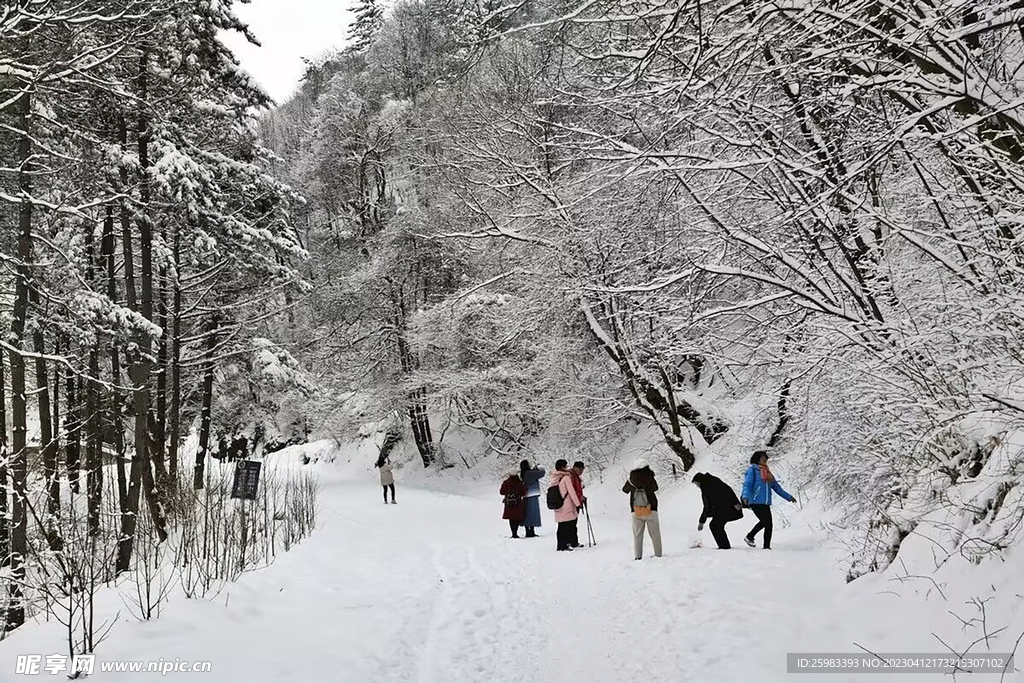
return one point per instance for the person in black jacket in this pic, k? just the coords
(720, 505)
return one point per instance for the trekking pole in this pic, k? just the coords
(590, 529)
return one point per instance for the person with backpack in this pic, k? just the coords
(758, 485)
(563, 500)
(387, 479)
(641, 487)
(513, 493)
(720, 505)
(577, 483)
(531, 477)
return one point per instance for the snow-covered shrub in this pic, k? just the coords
(221, 537)
(261, 397)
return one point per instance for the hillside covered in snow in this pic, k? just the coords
(780, 244)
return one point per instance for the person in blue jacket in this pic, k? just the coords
(531, 477)
(757, 495)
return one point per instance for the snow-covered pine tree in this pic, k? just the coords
(369, 16)
(205, 177)
(140, 209)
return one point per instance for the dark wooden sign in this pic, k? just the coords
(247, 479)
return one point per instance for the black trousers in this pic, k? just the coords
(717, 527)
(513, 524)
(564, 535)
(574, 540)
(764, 521)
(386, 487)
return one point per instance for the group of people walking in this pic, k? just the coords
(521, 493)
(722, 507)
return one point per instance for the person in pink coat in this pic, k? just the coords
(567, 515)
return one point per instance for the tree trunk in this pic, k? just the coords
(55, 399)
(46, 442)
(142, 368)
(72, 429)
(93, 423)
(19, 403)
(659, 402)
(420, 422)
(783, 412)
(115, 420)
(175, 361)
(5, 556)
(93, 446)
(117, 423)
(416, 406)
(141, 480)
(130, 507)
(198, 475)
(159, 446)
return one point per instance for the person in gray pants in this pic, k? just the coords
(641, 487)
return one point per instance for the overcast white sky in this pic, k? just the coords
(289, 30)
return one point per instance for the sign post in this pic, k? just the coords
(244, 487)
(247, 479)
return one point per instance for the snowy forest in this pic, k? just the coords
(800, 227)
(145, 248)
(535, 227)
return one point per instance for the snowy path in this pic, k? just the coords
(432, 590)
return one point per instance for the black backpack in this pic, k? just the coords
(555, 498)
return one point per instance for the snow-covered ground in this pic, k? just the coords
(433, 589)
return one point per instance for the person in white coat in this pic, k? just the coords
(387, 479)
